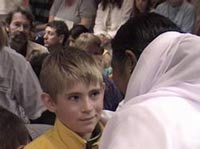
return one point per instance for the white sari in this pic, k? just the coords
(161, 109)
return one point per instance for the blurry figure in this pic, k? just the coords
(92, 45)
(141, 6)
(40, 10)
(56, 35)
(196, 4)
(180, 12)
(19, 25)
(14, 134)
(110, 16)
(20, 90)
(10, 5)
(73, 12)
(75, 31)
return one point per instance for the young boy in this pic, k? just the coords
(73, 89)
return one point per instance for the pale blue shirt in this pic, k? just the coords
(183, 16)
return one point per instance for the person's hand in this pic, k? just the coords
(104, 40)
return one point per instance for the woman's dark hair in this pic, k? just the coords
(138, 32)
(136, 11)
(13, 132)
(117, 3)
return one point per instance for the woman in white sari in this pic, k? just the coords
(161, 108)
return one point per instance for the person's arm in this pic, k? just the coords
(54, 9)
(87, 11)
(99, 27)
(86, 22)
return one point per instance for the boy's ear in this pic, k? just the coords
(131, 60)
(48, 102)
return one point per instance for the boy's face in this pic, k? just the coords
(51, 38)
(79, 108)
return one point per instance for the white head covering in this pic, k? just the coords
(171, 60)
(161, 109)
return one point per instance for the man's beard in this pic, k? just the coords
(18, 41)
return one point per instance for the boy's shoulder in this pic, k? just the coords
(47, 140)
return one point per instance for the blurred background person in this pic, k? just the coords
(111, 14)
(19, 26)
(180, 12)
(73, 12)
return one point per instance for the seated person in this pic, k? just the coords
(73, 89)
(55, 35)
(14, 134)
(20, 90)
(92, 44)
(75, 31)
(19, 25)
(180, 12)
(73, 12)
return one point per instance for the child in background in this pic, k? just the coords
(75, 32)
(92, 44)
(73, 89)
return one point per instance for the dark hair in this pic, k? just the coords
(4, 36)
(77, 30)
(117, 3)
(24, 11)
(13, 132)
(61, 29)
(136, 11)
(138, 32)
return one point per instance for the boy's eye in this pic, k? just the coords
(94, 94)
(74, 98)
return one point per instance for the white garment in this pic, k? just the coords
(114, 15)
(161, 108)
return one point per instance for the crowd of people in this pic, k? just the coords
(106, 74)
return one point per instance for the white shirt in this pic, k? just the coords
(161, 110)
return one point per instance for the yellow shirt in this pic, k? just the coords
(60, 137)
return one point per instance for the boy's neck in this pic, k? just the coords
(87, 136)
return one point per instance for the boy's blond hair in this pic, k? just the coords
(87, 39)
(62, 69)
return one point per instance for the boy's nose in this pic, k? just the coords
(87, 106)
